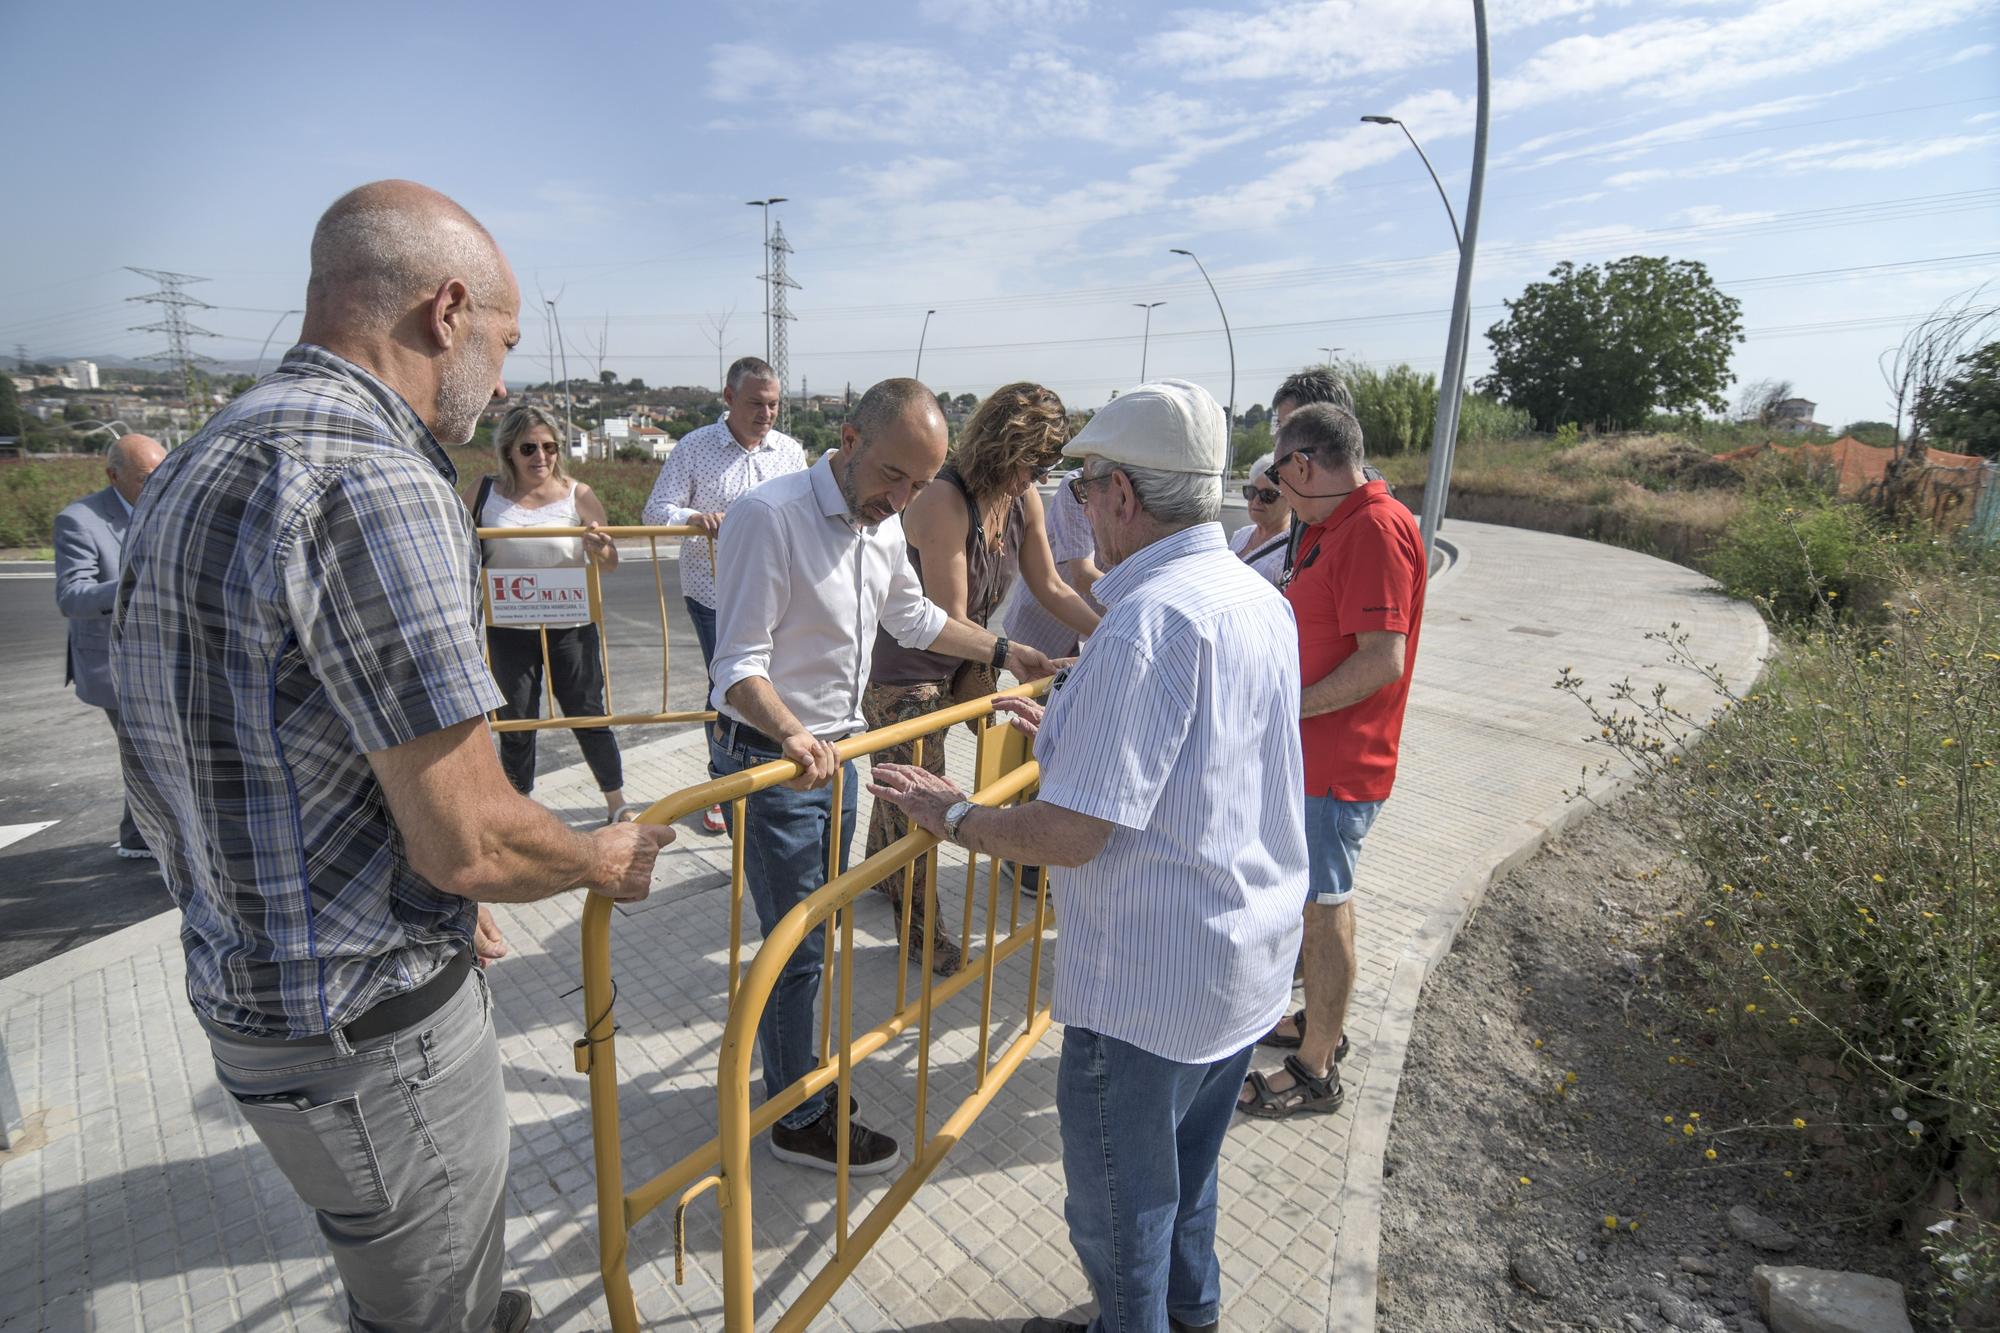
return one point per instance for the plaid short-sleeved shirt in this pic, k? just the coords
(301, 587)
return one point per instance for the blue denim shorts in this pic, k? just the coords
(1334, 832)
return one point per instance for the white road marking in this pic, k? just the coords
(9, 574)
(13, 833)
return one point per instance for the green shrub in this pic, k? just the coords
(1484, 417)
(1844, 816)
(1397, 407)
(34, 491)
(1796, 559)
(1567, 435)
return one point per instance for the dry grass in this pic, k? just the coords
(1655, 493)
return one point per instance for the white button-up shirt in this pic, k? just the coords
(1179, 724)
(705, 474)
(801, 586)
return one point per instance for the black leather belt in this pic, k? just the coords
(404, 1010)
(732, 733)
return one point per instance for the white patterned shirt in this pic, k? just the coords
(1070, 538)
(802, 586)
(706, 473)
(1179, 725)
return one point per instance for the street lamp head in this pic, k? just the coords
(1381, 120)
(1178, 251)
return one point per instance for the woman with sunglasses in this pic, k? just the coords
(1261, 542)
(533, 490)
(970, 532)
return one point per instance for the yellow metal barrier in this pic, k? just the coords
(1003, 773)
(593, 582)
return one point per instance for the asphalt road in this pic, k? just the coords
(62, 885)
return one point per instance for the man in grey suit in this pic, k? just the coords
(89, 539)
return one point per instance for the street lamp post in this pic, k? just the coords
(1229, 432)
(1444, 434)
(1329, 353)
(569, 423)
(919, 373)
(1147, 339)
(765, 204)
(117, 430)
(267, 340)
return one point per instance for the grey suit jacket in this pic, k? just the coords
(89, 539)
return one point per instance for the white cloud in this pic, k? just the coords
(1977, 51)
(1571, 201)
(1325, 41)
(1838, 155)
(1687, 57)
(982, 16)
(1690, 127)
(908, 94)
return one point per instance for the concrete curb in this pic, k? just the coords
(1355, 1280)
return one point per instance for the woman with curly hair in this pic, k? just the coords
(970, 532)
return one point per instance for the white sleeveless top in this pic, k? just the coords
(534, 552)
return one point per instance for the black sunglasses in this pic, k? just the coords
(1271, 472)
(1260, 493)
(529, 448)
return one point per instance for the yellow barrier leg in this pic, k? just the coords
(596, 1055)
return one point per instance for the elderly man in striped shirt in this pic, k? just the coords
(1171, 766)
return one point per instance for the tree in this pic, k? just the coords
(1916, 371)
(1606, 347)
(1759, 400)
(966, 402)
(1878, 433)
(607, 378)
(10, 409)
(1965, 409)
(635, 385)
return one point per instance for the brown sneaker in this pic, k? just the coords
(817, 1144)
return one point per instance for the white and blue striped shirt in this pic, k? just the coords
(1179, 724)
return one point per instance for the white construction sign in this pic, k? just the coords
(530, 596)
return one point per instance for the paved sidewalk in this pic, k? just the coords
(140, 1201)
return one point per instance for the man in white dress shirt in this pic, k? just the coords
(808, 566)
(710, 469)
(1170, 761)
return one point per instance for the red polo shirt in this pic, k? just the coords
(1359, 569)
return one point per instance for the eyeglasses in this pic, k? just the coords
(1271, 472)
(529, 448)
(1079, 487)
(1042, 470)
(1260, 493)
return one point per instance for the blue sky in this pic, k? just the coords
(1021, 166)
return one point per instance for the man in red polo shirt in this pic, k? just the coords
(1357, 592)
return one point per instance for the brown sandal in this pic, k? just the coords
(1308, 1095)
(1277, 1041)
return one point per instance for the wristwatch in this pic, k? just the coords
(955, 816)
(1000, 647)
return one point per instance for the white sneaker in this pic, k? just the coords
(133, 853)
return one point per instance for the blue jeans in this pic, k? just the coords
(1335, 830)
(704, 629)
(784, 862)
(1142, 1219)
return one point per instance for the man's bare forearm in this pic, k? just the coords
(1354, 680)
(962, 638)
(527, 855)
(1034, 834)
(761, 707)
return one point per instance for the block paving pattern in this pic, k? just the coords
(139, 1201)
